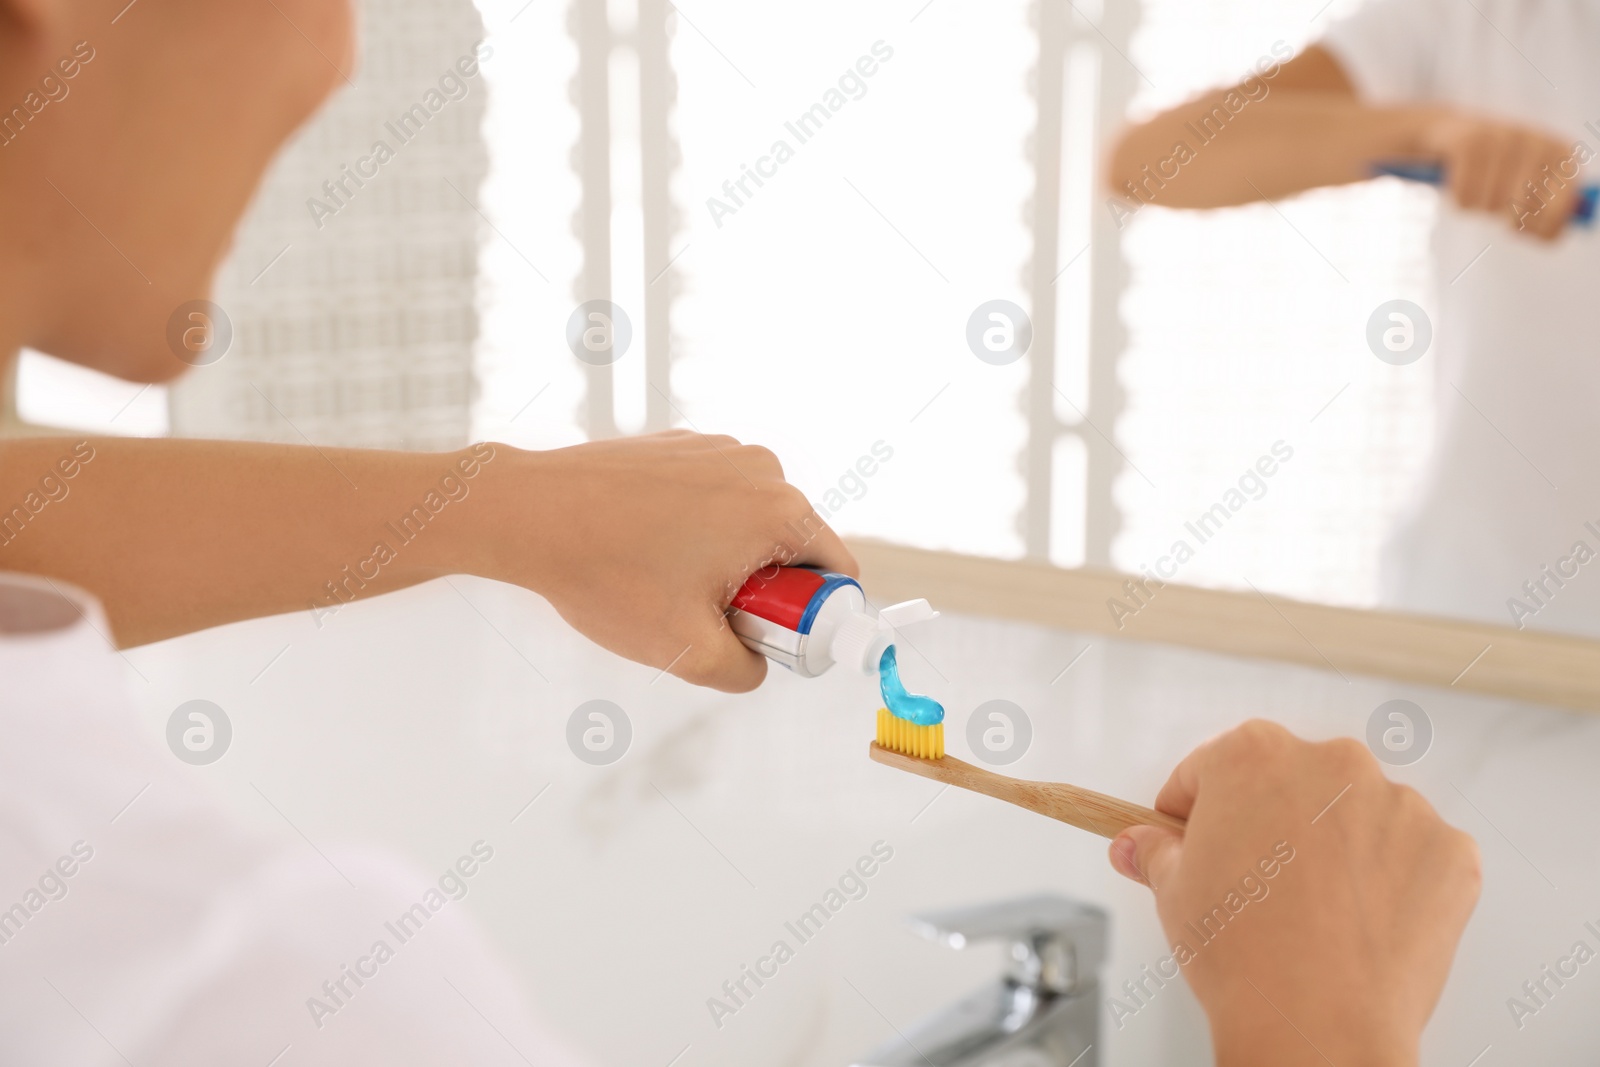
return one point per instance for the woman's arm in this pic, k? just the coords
(639, 543)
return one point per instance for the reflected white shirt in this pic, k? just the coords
(1514, 478)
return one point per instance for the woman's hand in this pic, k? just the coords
(1317, 903)
(640, 543)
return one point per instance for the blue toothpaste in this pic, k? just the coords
(924, 711)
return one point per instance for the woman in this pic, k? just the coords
(138, 925)
(142, 922)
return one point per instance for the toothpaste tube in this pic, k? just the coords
(808, 620)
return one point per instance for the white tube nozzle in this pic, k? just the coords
(859, 640)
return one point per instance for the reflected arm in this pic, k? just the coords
(1300, 129)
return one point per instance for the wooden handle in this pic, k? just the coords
(1083, 808)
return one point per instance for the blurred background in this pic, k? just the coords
(823, 312)
(829, 311)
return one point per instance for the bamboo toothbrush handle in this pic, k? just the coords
(1083, 808)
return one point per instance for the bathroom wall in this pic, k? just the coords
(350, 286)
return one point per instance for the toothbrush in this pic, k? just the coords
(911, 737)
(1583, 211)
(1083, 808)
(810, 620)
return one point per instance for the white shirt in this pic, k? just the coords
(138, 920)
(1515, 472)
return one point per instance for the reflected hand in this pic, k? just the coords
(1305, 940)
(1496, 166)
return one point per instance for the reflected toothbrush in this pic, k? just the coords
(1583, 211)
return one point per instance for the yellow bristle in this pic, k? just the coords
(896, 733)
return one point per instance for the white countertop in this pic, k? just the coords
(627, 894)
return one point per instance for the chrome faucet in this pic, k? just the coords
(1043, 1012)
